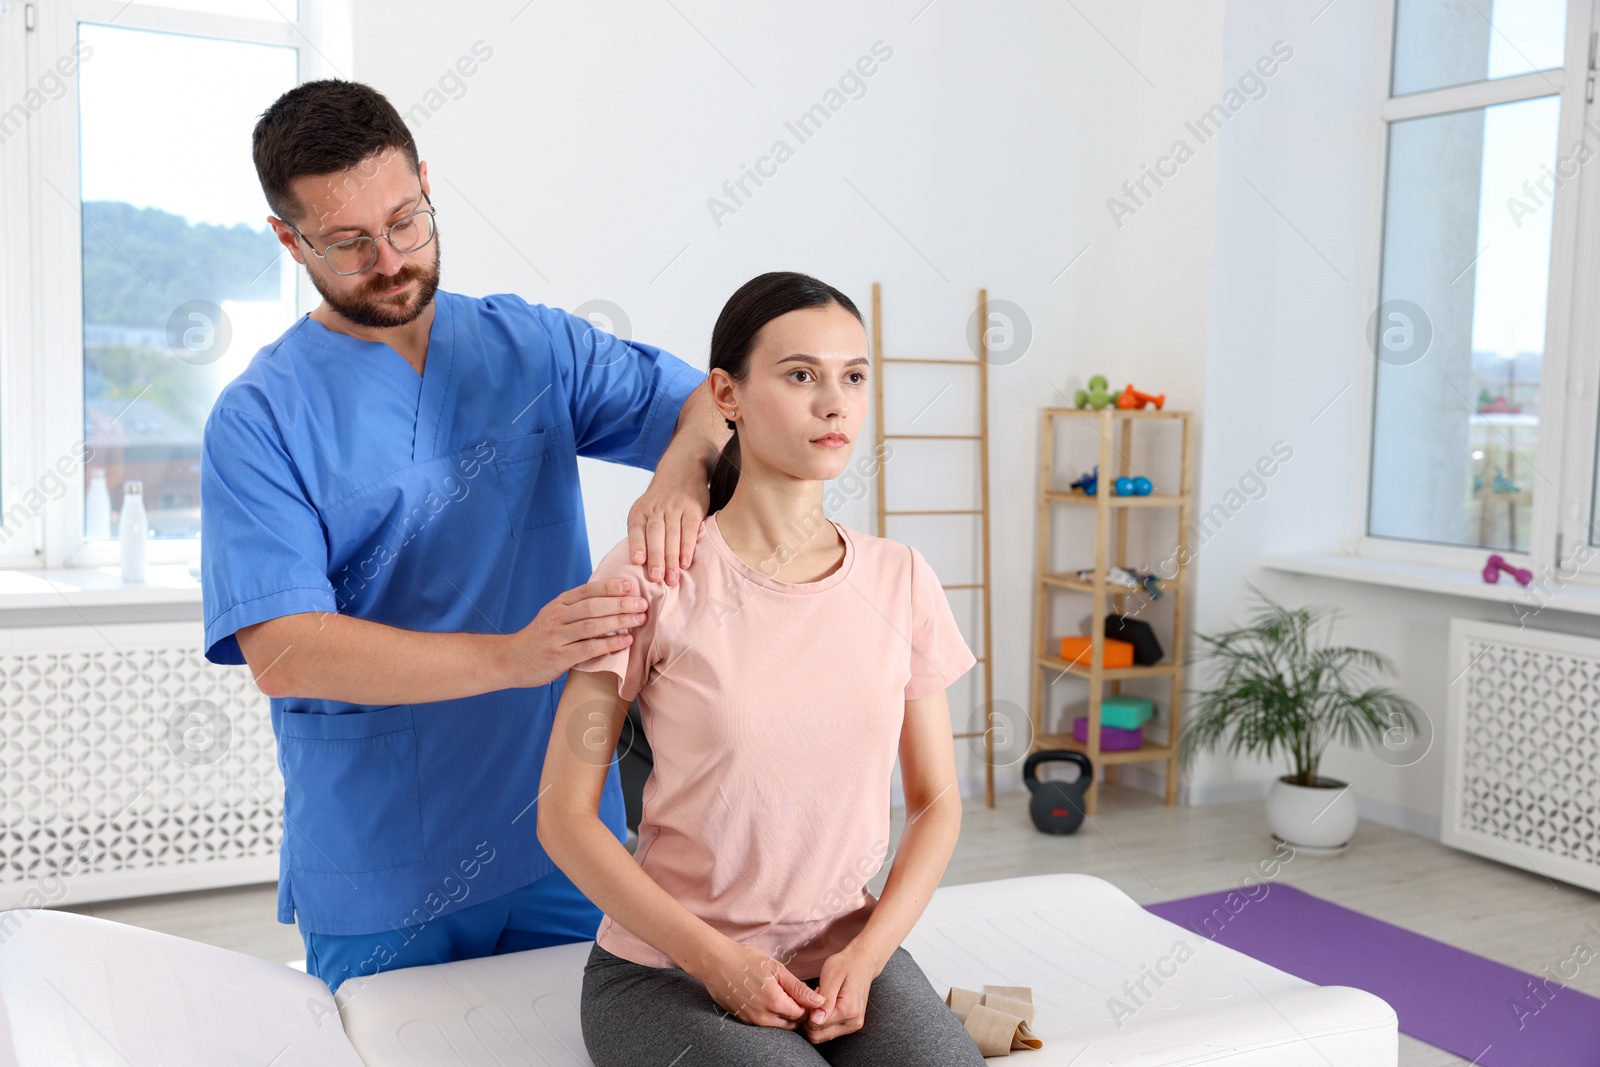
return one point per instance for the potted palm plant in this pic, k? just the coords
(1283, 691)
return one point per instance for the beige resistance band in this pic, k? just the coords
(997, 1018)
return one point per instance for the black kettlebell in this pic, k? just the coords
(1057, 807)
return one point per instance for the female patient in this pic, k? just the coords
(777, 681)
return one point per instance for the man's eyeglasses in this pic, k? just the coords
(408, 234)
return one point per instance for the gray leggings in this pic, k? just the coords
(639, 1016)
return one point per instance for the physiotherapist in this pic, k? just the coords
(394, 541)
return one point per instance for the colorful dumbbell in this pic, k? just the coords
(1131, 399)
(1497, 563)
(1097, 396)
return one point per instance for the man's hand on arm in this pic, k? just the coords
(328, 656)
(662, 524)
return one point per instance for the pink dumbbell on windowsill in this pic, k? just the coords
(1497, 563)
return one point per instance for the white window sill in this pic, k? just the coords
(86, 587)
(1547, 591)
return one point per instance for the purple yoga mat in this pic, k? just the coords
(1445, 996)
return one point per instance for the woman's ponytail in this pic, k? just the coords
(725, 475)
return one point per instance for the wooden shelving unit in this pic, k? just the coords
(1115, 428)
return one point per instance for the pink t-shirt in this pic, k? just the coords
(773, 710)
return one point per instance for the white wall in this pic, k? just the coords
(1288, 313)
(588, 143)
(578, 162)
(1295, 256)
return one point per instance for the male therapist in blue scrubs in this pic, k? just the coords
(394, 542)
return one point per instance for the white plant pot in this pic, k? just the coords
(1314, 817)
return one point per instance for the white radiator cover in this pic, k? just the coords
(1522, 760)
(129, 765)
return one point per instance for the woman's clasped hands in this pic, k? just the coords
(756, 988)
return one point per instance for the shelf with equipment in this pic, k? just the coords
(1113, 515)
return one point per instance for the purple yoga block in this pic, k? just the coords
(1112, 739)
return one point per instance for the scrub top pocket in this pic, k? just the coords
(539, 488)
(351, 798)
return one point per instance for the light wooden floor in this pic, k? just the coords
(1152, 853)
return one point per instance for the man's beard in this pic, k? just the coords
(368, 307)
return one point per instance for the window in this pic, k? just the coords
(1475, 121)
(1439, 44)
(182, 277)
(145, 276)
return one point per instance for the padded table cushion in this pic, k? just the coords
(1074, 939)
(1079, 942)
(94, 993)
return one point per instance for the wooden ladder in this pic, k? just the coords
(884, 512)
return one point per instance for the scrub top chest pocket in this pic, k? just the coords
(351, 799)
(538, 478)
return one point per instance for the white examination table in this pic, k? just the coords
(77, 990)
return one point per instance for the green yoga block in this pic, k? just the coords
(1125, 712)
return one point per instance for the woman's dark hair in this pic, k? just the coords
(322, 127)
(756, 303)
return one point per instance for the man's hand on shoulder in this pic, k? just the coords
(580, 624)
(664, 523)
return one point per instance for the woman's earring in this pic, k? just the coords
(731, 424)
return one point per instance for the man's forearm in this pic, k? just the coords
(328, 656)
(699, 435)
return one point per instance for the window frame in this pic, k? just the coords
(41, 263)
(1581, 441)
(19, 247)
(1558, 415)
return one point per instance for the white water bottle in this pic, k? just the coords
(97, 507)
(132, 530)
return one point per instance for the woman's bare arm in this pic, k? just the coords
(744, 980)
(933, 823)
(582, 742)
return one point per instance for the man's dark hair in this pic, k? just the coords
(322, 127)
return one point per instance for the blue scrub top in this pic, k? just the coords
(335, 478)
